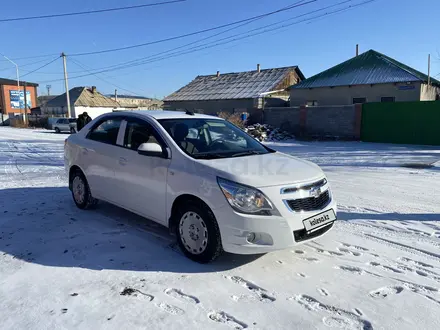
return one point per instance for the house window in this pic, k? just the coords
(387, 99)
(312, 103)
(361, 100)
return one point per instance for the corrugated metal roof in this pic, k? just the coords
(237, 85)
(83, 96)
(370, 67)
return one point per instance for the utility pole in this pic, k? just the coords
(18, 83)
(429, 69)
(69, 115)
(25, 104)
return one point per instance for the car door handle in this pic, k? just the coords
(122, 161)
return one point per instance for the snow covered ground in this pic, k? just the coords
(379, 268)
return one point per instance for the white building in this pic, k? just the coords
(82, 99)
(137, 102)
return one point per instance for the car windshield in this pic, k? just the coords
(205, 138)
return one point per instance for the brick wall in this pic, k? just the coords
(6, 99)
(341, 122)
(286, 118)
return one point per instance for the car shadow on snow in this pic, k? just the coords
(43, 226)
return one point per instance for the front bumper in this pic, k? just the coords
(276, 232)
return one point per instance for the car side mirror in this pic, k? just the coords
(152, 150)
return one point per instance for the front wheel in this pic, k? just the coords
(72, 130)
(81, 192)
(57, 130)
(197, 232)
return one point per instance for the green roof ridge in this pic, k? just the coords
(372, 57)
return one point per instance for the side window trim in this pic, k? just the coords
(121, 134)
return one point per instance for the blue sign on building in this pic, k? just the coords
(17, 99)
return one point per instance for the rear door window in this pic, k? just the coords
(106, 131)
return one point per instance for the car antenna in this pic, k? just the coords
(190, 113)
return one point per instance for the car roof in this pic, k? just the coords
(159, 114)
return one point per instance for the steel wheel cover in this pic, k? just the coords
(193, 232)
(78, 189)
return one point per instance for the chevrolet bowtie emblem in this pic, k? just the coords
(315, 192)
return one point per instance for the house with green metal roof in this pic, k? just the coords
(368, 77)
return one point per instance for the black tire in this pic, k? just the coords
(57, 130)
(214, 245)
(87, 201)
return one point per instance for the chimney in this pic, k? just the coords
(357, 49)
(93, 89)
(218, 74)
(116, 95)
(258, 68)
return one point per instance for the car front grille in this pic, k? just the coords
(310, 203)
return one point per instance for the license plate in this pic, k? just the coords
(319, 220)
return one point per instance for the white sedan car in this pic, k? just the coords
(214, 186)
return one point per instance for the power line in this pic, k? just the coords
(199, 40)
(193, 33)
(247, 21)
(41, 67)
(256, 29)
(153, 58)
(217, 43)
(89, 11)
(31, 57)
(83, 66)
(183, 46)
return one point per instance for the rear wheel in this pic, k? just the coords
(81, 192)
(57, 130)
(197, 232)
(72, 130)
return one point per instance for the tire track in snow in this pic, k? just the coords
(404, 247)
(393, 233)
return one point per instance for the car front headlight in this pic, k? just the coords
(244, 199)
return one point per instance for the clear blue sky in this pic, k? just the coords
(402, 29)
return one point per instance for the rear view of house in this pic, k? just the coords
(235, 92)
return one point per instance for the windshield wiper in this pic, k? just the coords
(246, 153)
(210, 156)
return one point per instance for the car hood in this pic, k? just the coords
(265, 170)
